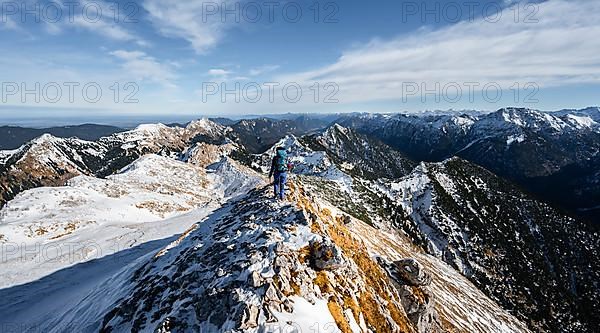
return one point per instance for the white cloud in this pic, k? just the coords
(102, 24)
(140, 66)
(184, 19)
(263, 69)
(107, 29)
(219, 72)
(223, 75)
(562, 48)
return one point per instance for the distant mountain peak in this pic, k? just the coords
(151, 128)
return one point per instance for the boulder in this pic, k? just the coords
(419, 305)
(327, 256)
(255, 279)
(249, 317)
(411, 272)
(346, 219)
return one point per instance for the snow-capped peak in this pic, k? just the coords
(290, 142)
(581, 121)
(531, 118)
(44, 138)
(150, 128)
(340, 128)
(203, 123)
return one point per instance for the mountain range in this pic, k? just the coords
(393, 223)
(15, 136)
(551, 155)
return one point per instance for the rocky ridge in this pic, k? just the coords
(262, 266)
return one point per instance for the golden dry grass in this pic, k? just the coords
(338, 315)
(376, 280)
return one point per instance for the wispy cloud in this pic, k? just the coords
(560, 49)
(184, 19)
(222, 75)
(109, 30)
(141, 66)
(219, 72)
(263, 69)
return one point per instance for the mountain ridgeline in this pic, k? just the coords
(14, 136)
(531, 258)
(552, 155)
(393, 223)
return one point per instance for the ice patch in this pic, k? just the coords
(515, 138)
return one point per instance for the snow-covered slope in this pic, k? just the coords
(538, 150)
(46, 160)
(516, 249)
(306, 161)
(259, 266)
(591, 112)
(100, 216)
(50, 161)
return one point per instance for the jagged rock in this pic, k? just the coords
(269, 316)
(327, 256)
(410, 271)
(416, 298)
(284, 284)
(288, 306)
(280, 248)
(418, 303)
(346, 219)
(250, 317)
(271, 294)
(255, 279)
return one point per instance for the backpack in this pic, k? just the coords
(281, 162)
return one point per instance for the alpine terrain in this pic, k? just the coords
(398, 223)
(553, 155)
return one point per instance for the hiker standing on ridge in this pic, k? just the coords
(279, 170)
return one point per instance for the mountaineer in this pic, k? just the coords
(279, 169)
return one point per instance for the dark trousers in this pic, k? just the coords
(280, 178)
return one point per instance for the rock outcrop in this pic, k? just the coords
(412, 282)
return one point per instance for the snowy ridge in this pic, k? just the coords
(50, 161)
(306, 161)
(100, 211)
(367, 241)
(52, 152)
(6, 154)
(259, 266)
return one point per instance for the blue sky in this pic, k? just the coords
(379, 56)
